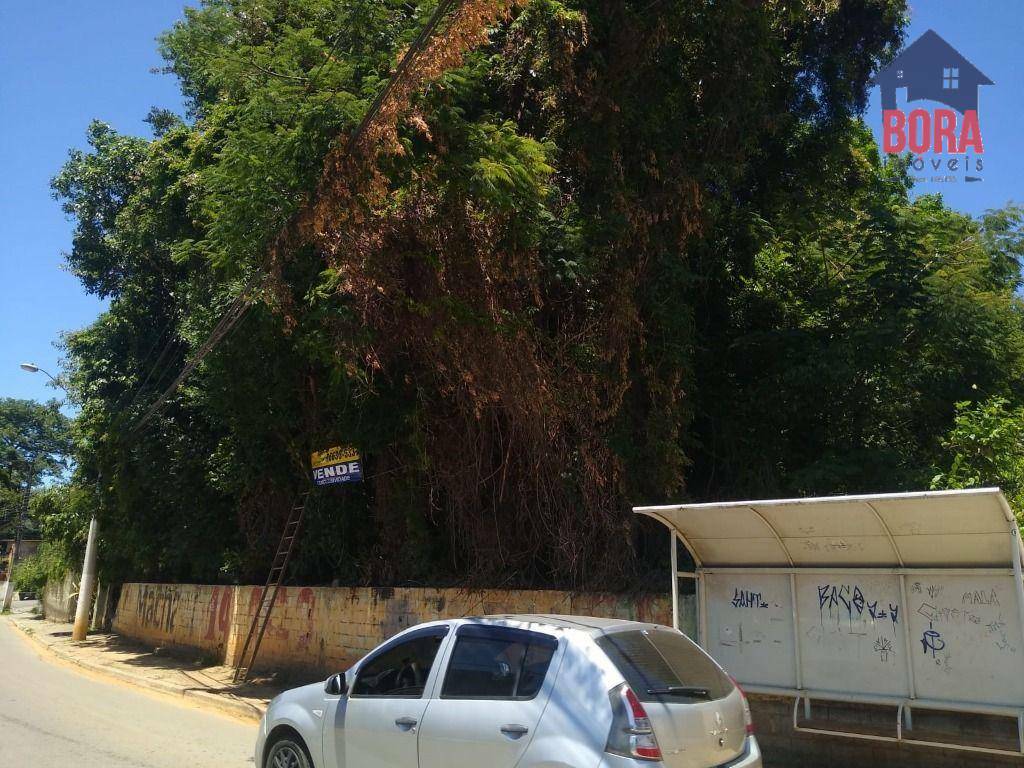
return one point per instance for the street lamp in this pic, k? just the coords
(33, 368)
(88, 582)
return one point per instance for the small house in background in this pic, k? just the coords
(931, 69)
(27, 549)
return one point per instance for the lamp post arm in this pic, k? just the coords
(55, 380)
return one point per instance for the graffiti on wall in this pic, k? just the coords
(158, 605)
(295, 603)
(219, 622)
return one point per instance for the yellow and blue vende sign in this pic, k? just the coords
(340, 464)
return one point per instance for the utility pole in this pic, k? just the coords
(87, 584)
(18, 529)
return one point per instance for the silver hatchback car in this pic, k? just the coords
(520, 691)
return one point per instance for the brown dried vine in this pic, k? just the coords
(520, 475)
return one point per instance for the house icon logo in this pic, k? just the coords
(931, 70)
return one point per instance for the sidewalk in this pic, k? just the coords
(111, 655)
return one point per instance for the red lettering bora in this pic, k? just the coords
(920, 132)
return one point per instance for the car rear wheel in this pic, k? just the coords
(287, 753)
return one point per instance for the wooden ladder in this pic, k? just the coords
(268, 596)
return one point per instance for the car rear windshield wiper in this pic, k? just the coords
(691, 691)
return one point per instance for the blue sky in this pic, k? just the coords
(988, 33)
(66, 62)
(63, 63)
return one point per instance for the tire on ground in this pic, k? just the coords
(288, 752)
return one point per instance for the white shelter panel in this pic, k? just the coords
(837, 533)
(750, 627)
(851, 633)
(932, 529)
(966, 640)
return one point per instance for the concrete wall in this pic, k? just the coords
(60, 599)
(327, 629)
(785, 748)
(177, 615)
(323, 629)
(315, 631)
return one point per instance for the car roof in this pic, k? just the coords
(591, 625)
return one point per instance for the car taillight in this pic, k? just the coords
(631, 734)
(748, 720)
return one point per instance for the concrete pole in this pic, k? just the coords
(86, 585)
(8, 596)
(99, 606)
(23, 515)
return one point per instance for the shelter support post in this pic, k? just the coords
(702, 611)
(1018, 579)
(796, 633)
(1016, 558)
(675, 578)
(907, 646)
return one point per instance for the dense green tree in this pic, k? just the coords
(35, 443)
(985, 447)
(35, 447)
(603, 253)
(59, 514)
(835, 361)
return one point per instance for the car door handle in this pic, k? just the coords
(406, 723)
(515, 731)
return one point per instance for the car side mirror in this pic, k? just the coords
(336, 685)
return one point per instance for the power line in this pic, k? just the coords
(156, 365)
(238, 308)
(411, 53)
(234, 313)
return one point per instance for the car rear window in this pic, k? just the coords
(661, 665)
(497, 663)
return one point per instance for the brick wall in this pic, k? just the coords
(325, 629)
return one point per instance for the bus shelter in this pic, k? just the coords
(908, 599)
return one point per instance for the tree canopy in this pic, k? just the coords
(986, 448)
(35, 447)
(598, 253)
(35, 441)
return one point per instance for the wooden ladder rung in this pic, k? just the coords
(269, 594)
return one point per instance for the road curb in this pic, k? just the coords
(221, 702)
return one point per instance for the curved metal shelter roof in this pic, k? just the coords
(963, 528)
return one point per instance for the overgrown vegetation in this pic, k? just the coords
(51, 562)
(986, 448)
(603, 253)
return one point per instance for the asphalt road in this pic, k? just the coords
(52, 716)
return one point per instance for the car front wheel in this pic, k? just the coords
(287, 753)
